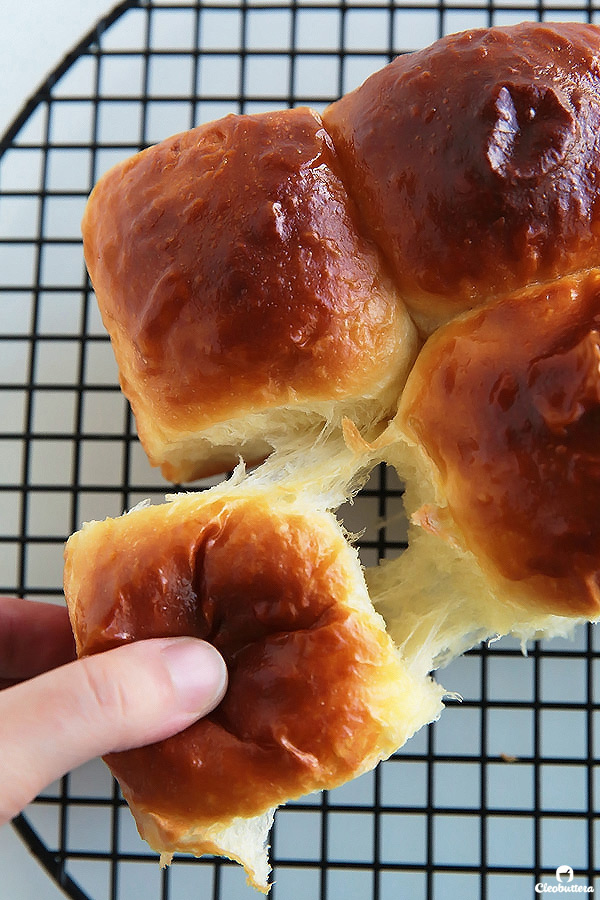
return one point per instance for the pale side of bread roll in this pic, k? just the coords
(317, 695)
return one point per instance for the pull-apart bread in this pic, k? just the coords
(411, 277)
(317, 691)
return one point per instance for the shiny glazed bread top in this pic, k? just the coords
(235, 279)
(475, 162)
(515, 452)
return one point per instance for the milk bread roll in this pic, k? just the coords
(498, 440)
(317, 691)
(475, 162)
(243, 300)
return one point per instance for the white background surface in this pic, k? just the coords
(35, 35)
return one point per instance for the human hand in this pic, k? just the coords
(57, 712)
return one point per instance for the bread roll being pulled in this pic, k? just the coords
(317, 691)
(412, 279)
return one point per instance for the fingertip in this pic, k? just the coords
(127, 697)
(198, 674)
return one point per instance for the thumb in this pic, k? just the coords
(123, 698)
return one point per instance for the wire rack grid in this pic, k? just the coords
(483, 805)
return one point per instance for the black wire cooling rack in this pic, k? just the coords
(483, 805)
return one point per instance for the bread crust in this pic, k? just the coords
(504, 403)
(475, 162)
(236, 282)
(317, 693)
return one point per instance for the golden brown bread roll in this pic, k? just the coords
(475, 162)
(510, 429)
(317, 692)
(255, 276)
(497, 438)
(243, 300)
